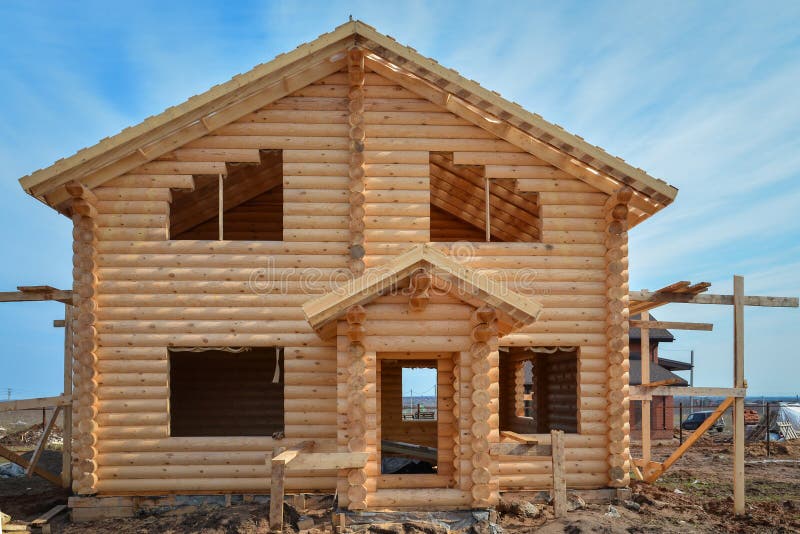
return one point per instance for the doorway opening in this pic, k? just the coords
(409, 418)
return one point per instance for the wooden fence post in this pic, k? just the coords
(559, 482)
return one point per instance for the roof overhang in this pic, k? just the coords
(268, 82)
(514, 310)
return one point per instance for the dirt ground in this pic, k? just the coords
(694, 496)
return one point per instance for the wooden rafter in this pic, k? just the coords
(640, 302)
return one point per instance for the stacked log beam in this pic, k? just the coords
(616, 242)
(84, 403)
(355, 66)
(356, 405)
(483, 331)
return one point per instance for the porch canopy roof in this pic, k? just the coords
(514, 310)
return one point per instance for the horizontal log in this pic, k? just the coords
(204, 484)
(176, 181)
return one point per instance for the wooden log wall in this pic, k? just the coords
(153, 293)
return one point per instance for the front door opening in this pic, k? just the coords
(409, 417)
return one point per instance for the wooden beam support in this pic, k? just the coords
(12, 456)
(675, 456)
(705, 298)
(66, 431)
(41, 402)
(671, 325)
(60, 295)
(641, 392)
(738, 403)
(40, 446)
(645, 371)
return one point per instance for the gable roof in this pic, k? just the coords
(288, 72)
(514, 310)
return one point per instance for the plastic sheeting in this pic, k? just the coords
(789, 413)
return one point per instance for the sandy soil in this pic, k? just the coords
(694, 496)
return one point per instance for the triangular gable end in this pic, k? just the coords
(310, 62)
(514, 310)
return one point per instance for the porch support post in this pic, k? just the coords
(356, 413)
(616, 242)
(484, 360)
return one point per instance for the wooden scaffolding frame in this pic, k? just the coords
(684, 292)
(59, 403)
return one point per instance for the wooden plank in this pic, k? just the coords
(705, 298)
(529, 439)
(665, 382)
(292, 452)
(12, 456)
(37, 452)
(60, 295)
(36, 289)
(58, 323)
(41, 402)
(45, 518)
(639, 392)
(409, 450)
(559, 480)
(738, 405)
(671, 325)
(675, 456)
(321, 461)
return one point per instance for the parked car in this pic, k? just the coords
(694, 420)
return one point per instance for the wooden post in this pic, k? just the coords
(738, 403)
(488, 219)
(559, 481)
(277, 478)
(645, 368)
(221, 201)
(66, 450)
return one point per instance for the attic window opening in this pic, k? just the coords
(539, 389)
(468, 206)
(246, 204)
(226, 392)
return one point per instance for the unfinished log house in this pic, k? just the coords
(254, 267)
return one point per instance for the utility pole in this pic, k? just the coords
(9, 393)
(691, 383)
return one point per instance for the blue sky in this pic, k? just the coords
(703, 95)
